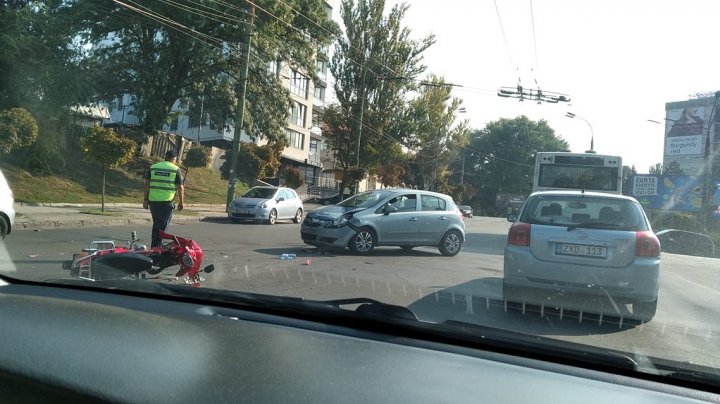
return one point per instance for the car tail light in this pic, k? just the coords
(519, 234)
(459, 213)
(646, 244)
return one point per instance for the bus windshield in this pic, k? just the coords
(589, 171)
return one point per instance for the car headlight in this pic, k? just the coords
(339, 222)
(262, 205)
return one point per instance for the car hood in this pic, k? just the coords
(333, 211)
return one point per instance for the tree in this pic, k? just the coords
(293, 178)
(102, 146)
(197, 157)
(391, 174)
(255, 161)
(437, 139)
(657, 169)
(40, 71)
(673, 168)
(192, 54)
(18, 128)
(502, 156)
(375, 65)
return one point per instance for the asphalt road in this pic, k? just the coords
(465, 288)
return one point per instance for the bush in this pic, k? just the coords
(41, 157)
(293, 178)
(197, 157)
(18, 128)
(661, 220)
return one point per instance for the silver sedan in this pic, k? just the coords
(267, 204)
(397, 217)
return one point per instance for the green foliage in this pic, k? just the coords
(41, 157)
(661, 220)
(501, 158)
(390, 174)
(18, 128)
(375, 65)
(160, 64)
(197, 157)
(102, 146)
(436, 137)
(255, 161)
(293, 178)
(39, 67)
(673, 168)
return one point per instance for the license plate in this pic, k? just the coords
(243, 212)
(579, 250)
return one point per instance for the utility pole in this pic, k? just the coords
(240, 115)
(202, 104)
(709, 184)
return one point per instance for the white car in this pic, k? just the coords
(7, 208)
(267, 204)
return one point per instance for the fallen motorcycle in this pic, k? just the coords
(102, 260)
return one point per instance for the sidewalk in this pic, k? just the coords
(68, 215)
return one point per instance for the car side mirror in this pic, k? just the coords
(512, 217)
(390, 209)
(280, 199)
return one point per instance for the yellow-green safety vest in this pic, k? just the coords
(162, 182)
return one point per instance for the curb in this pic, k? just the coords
(59, 224)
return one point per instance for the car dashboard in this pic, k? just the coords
(63, 343)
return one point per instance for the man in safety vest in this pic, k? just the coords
(162, 182)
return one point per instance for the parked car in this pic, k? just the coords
(7, 208)
(399, 217)
(267, 204)
(466, 210)
(582, 250)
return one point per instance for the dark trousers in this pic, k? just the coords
(161, 214)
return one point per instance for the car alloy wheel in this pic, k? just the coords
(451, 243)
(363, 242)
(273, 217)
(298, 216)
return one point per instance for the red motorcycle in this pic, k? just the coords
(103, 260)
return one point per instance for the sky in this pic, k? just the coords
(618, 61)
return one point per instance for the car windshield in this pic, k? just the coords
(365, 199)
(129, 124)
(263, 193)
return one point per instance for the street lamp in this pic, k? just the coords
(592, 134)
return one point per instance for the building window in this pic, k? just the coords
(319, 95)
(274, 68)
(313, 146)
(298, 84)
(120, 102)
(174, 123)
(295, 139)
(297, 114)
(321, 70)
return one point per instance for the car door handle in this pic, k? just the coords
(443, 217)
(413, 219)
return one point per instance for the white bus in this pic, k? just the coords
(588, 171)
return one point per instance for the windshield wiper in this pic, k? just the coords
(591, 225)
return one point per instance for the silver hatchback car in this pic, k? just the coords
(267, 204)
(585, 251)
(397, 217)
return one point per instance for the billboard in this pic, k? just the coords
(687, 127)
(668, 192)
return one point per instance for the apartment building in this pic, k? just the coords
(303, 134)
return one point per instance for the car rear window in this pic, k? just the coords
(585, 211)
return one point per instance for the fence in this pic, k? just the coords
(157, 145)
